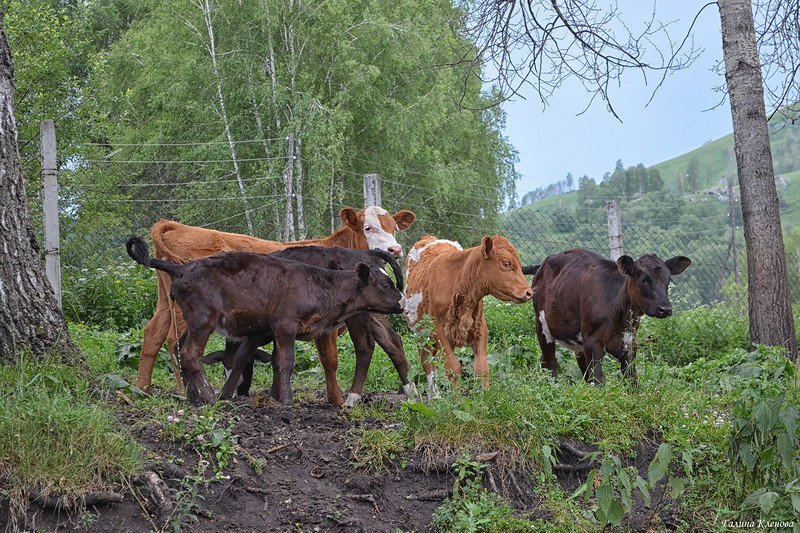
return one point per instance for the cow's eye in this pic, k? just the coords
(367, 228)
(387, 286)
(506, 264)
(646, 281)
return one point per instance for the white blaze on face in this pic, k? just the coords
(545, 330)
(411, 306)
(377, 237)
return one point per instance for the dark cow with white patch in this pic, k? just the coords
(592, 305)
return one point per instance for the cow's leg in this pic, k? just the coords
(583, 364)
(548, 349)
(283, 364)
(594, 357)
(243, 358)
(198, 389)
(388, 339)
(155, 333)
(626, 356)
(427, 353)
(329, 357)
(479, 348)
(452, 365)
(364, 344)
(177, 329)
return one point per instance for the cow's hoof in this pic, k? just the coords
(410, 390)
(352, 400)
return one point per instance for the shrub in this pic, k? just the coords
(116, 297)
(690, 335)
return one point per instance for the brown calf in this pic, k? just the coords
(449, 283)
(250, 297)
(368, 228)
(364, 328)
(592, 305)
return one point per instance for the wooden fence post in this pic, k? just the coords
(372, 190)
(52, 248)
(615, 244)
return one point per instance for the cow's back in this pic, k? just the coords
(429, 278)
(180, 243)
(572, 286)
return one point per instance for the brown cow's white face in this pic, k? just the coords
(378, 227)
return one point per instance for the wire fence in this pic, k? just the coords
(104, 199)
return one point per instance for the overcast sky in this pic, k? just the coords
(555, 140)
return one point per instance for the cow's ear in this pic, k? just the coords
(350, 218)
(363, 272)
(404, 219)
(678, 264)
(486, 247)
(626, 265)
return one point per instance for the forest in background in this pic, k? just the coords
(206, 102)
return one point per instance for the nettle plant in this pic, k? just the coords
(614, 485)
(763, 447)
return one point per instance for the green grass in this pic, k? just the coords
(57, 438)
(692, 367)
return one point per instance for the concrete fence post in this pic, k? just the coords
(615, 243)
(52, 248)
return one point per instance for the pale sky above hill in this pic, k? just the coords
(554, 141)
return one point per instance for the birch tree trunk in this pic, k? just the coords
(770, 309)
(298, 187)
(288, 222)
(262, 132)
(30, 317)
(205, 7)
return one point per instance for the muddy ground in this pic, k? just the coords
(294, 471)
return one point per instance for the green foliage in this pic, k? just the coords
(205, 432)
(764, 442)
(471, 508)
(377, 449)
(614, 485)
(693, 334)
(56, 438)
(116, 297)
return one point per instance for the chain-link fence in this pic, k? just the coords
(110, 193)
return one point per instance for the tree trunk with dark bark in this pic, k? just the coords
(29, 315)
(770, 310)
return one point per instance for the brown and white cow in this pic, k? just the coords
(592, 305)
(369, 228)
(448, 283)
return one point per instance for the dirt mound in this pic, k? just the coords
(294, 472)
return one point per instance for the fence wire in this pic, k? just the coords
(104, 199)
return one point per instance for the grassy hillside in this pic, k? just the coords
(716, 161)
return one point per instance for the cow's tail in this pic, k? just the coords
(389, 258)
(530, 270)
(138, 251)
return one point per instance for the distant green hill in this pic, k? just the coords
(716, 161)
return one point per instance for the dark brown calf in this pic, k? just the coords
(364, 328)
(250, 297)
(592, 305)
